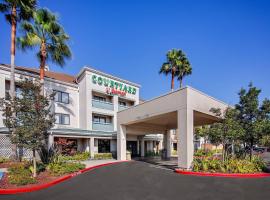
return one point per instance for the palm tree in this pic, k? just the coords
(183, 67)
(170, 66)
(15, 11)
(46, 34)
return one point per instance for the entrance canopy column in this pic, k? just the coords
(142, 147)
(169, 143)
(185, 146)
(92, 147)
(121, 142)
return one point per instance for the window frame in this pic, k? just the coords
(100, 98)
(122, 103)
(99, 121)
(61, 97)
(61, 115)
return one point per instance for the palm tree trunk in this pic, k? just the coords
(12, 70)
(181, 82)
(43, 55)
(12, 52)
(34, 163)
(172, 81)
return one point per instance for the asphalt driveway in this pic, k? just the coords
(138, 180)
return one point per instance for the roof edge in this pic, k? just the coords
(90, 69)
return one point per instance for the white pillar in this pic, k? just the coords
(169, 143)
(50, 140)
(115, 109)
(80, 144)
(185, 146)
(2, 95)
(92, 147)
(138, 147)
(142, 147)
(121, 142)
(164, 141)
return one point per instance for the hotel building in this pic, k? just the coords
(85, 108)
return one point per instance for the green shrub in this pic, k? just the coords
(20, 174)
(40, 167)
(151, 154)
(101, 156)
(77, 157)
(174, 152)
(202, 152)
(3, 160)
(64, 167)
(232, 165)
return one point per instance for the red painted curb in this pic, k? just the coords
(236, 175)
(54, 182)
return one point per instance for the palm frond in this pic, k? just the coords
(46, 30)
(4, 7)
(165, 69)
(26, 8)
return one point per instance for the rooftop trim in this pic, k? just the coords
(90, 69)
(177, 90)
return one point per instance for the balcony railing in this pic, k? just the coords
(102, 126)
(102, 104)
(121, 107)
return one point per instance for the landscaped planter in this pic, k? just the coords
(128, 155)
(31, 188)
(229, 175)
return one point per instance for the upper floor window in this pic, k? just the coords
(18, 92)
(122, 103)
(62, 97)
(62, 119)
(99, 98)
(101, 120)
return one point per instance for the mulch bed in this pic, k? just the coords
(7, 164)
(42, 178)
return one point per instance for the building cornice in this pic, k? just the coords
(89, 69)
(36, 76)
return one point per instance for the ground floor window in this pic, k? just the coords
(104, 146)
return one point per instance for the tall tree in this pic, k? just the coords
(254, 118)
(227, 131)
(33, 118)
(46, 34)
(15, 11)
(170, 66)
(183, 67)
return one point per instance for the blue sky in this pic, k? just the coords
(227, 42)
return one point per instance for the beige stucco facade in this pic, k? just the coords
(91, 94)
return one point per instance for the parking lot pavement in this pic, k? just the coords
(91, 163)
(140, 180)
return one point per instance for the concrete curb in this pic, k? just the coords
(54, 182)
(228, 175)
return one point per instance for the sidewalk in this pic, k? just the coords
(91, 163)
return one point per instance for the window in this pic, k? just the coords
(62, 119)
(18, 92)
(122, 103)
(61, 97)
(101, 120)
(103, 146)
(58, 118)
(98, 98)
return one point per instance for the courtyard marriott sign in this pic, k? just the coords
(113, 87)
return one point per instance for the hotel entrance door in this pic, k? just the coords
(132, 147)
